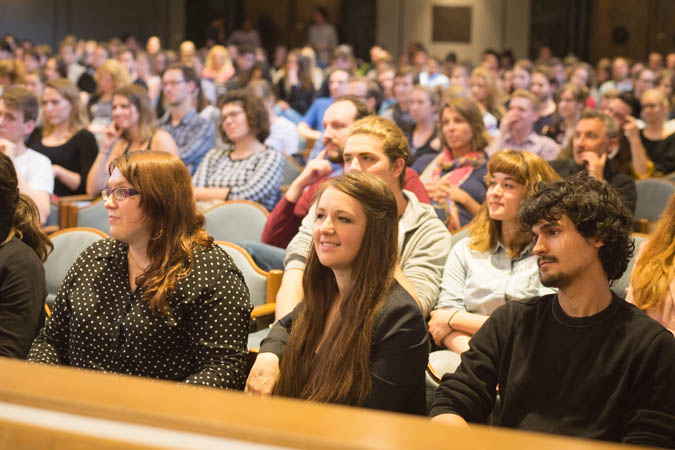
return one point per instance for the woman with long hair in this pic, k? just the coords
(571, 100)
(455, 178)
(485, 90)
(134, 128)
(357, 338)
(657, 139)
(495, 263)
(423, 137)
(652, 283)
(23, 249)
(218, 66)
(295, 88)
(246, 168)
(109, 77)
(64, 138)
(158, 299)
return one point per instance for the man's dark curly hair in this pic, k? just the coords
(596, 210)
(256, 115)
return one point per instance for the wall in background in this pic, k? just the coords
(498, 24)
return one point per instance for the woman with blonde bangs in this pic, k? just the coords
(652, 283)
(157, 299)
(110, 76)
(134, 128)
(454, 179)
(218, 67)
(486, 91)
(63, 137)
(358, 337)
(495, 263)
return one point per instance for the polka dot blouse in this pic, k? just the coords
(99, 323)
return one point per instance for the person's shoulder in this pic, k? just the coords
(418, 214)
(19, 255)
(36, 157)
(399, 304)
(84, 135)
(638, 324)
(516, 309)
(211, 263)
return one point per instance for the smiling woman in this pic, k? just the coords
(357, 338)
(495, 263)
(158, 299)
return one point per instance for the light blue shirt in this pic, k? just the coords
(479, 282)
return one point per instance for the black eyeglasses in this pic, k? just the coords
(118, 193)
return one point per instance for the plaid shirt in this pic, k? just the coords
(256, 178)
(194, 136)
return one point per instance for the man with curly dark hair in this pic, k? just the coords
(581, 362)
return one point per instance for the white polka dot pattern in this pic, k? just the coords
(99, 323)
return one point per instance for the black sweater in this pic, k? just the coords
(609, 376)
(399, 353)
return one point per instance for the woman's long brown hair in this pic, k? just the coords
(176, 228)
(18, 214)
(655, 268)
(340, 371)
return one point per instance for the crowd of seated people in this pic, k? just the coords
(536, 161)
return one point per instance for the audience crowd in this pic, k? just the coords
(480, 210)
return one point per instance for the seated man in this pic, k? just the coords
(311, 126)
(596, 136)
(581, 362)
(516, 130)
(284, 221)
(18, 113)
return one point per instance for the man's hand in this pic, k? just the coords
(594, 163)
(264, 375)
(506, 124)
(315, 169)
(8, 148)
(438, 325)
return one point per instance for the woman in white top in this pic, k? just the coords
(495, 263)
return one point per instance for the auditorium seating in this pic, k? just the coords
(619, 287)
(236, 221)
(68, 244)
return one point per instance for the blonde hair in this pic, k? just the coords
(528, 169)
(218, 49)
(493, 99)
(78, 117)
(655, 268)
(119, 73)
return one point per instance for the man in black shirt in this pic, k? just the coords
(595, 138)
(581, 362)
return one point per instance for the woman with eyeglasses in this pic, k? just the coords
(246, 169)
(158, 299)
(23, 248)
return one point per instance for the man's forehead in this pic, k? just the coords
(356, 144)
(342, 110)
(591, 123)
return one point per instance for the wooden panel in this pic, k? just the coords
(451, 24)
(234, 415)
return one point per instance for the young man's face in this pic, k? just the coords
(12, 126)
(403, 86)
(563, 254)
(364, 153)
(336, 121)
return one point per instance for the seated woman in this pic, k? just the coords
(657, 140)
(486, 92)
(652, 284)
(357, 338)
(218, 67)
(283, 133)
(571, 100)
(158, 299)
(455, 178)
(134, 128)
(423, 140)
(63, 137)
(495, 263)
(246, 169)
(109, 77)
(23, 248)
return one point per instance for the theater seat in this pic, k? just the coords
(653, 195)
(68, 244)
(236, 220)
(262, 286)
